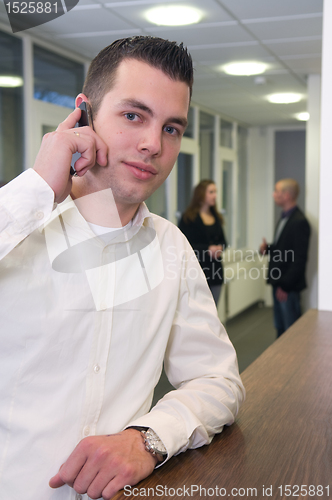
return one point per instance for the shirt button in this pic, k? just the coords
(96, 368)
(39, 215)
(86, 431)
(103, 306)
(78, 497)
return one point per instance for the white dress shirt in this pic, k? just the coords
(86, 324)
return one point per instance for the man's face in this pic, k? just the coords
(279, 194)
(142, 120)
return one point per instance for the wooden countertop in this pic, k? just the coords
(282, 435)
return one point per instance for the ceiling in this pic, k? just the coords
(285, 34)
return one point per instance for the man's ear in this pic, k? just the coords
(80, 98)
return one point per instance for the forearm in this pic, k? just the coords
(25, 204)
(178, 418)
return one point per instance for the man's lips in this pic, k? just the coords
(143, 167)
(140, 170)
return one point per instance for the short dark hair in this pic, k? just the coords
(172, 58)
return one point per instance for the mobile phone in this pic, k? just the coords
(85, 120)
(86, 117)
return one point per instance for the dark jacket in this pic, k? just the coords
(200, 237)
(288, 256)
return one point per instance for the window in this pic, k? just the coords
(11, 109)
(185, 182)
(56, 79)
(189, 132)
(226, 132)
(242, 138)
(227, 199)
(206, 142)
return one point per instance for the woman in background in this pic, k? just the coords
(201, 223)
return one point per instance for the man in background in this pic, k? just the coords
(287, 255)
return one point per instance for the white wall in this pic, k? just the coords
(310, 296)
(325, 196)
(260, 186)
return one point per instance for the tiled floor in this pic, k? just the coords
(251, 332)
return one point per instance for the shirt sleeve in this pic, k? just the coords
(25, 204)
(201, 364)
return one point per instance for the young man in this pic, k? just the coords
(97, 293)
(287, 256)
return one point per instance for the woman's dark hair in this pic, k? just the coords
(197, 201)
(172, 58)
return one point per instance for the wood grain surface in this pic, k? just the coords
(282, 435)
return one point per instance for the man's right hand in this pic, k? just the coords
(263, 247)
(102, 465)
(55, 154)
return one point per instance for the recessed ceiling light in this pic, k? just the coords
(303, 117)
(10, 81)
(173, 15)
(284, 98)
(244, 68)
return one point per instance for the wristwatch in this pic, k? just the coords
(154, 444)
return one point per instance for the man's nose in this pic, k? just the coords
(151, 142)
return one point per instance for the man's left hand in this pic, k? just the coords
(102, 465)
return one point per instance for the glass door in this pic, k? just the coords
(185, 181)
(227, 194)
(227, 199)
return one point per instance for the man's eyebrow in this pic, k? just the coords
(140, 105)
(134, 103)
(180, 121)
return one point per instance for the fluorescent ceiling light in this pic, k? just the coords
(303, 117)
(284, 98)
(245, 68)
(173, 15)
(10, 81)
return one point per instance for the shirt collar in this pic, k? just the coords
(68, 204)
(288, 213)
(73, 247)
(141, 214)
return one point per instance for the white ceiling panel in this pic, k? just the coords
(295, 46)
(307, 66)
(245, 9)
(223, 53)
(75, 20)
(207, 34)
(287, 28)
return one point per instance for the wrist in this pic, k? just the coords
(152, 443)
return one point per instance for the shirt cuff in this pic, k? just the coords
(168, 428)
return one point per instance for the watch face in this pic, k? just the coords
(153, 442)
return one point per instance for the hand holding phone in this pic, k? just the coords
(56, 152)
(85, 120)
